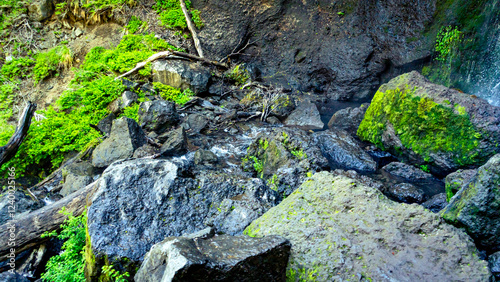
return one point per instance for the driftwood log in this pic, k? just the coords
(28, 228)
(192, 29)
(8, 151)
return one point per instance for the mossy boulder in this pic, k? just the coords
(455, 181)
(342, 230)
(477, 206)
(427, 124)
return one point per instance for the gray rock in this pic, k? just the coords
(273, 120)
(406, 193)
(145, 151)
(158, 115)
(340, 228)
(220, 258)
(73, 182)
(141, 202)
(126, 136)
(175, 144)
(348, 119)
(407, 172)
(202, 157)
(78, 32)
(306, 116)
(23, 203)
(40, 10)
(128, 98)
(476, 206)
(455, 181)
(181, 74)
(494, 264)
(12, 277)
(105, 124)
(342, 151)
(196, 123)
(436, 203)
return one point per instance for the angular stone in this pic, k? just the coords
(406, 193)
(494, 264)
(407, 172)
(105, 124)
(455, 181)
(202, 157)
(158, 115)
(197, 123)
(306, 116)
(436, 203)
(40, 10)
(181, 74)
(176, 143)
(348, 119)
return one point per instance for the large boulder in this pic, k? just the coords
(494, 263)
(158, 115)
(428, 124)
(348, 119)
(140, 202)
(181, 74)
(125, 137)
(340, 229)
(477, 206)
(342, 151)
(40, 10)
(219, 258)
(305, 116)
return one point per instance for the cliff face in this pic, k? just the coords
(343, 49)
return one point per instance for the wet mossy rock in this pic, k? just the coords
(342, 230)
(477, 206)
(428, 124)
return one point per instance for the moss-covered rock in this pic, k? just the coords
(429, 124)
(342, 230)
(455, 181)
(477, 206)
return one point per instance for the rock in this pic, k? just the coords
(203, 157)
(455, 181)
(105, 124)
(121, 226)
(77, 175)
(436, 203)
(130, 85)
(125, 137)
(406, 193)
(128, 98)
(273, 120)
(407, 172)
(340, 229)
(23, 203)
(220, 258)
(40, 10)
(494, 264)
(363, 179)
(196, 123)
(158, 115)
(428, 124)
(476, 206)
(306, 116)
(348, 119)
(181, 74)
(176, 143)
(8, 276)
(78, 32)
(145, 151)
(342, 151)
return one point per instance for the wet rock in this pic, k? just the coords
(23, 203)
(476, 206)
(12, 277)
(196, 123)
(181, 74)
(356, 229)
(204, 157)
(128, 98)
(76, 176)
(363, 179)
(175, 144)
(40, 10)
(465, 130)
(125, 137)
(158, 115)
(406, 193)
(145, 151)
(436, 203)
(105, 124)
(306, 116)
(273, 120)
(237, 213)
(342, 151)
(407, 172)
(455, 181)
(220, 258)
(348, 119)
(494, 264)
(130, 85)
(121, 226)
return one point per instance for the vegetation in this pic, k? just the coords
(173, 94)
(11, 9)
(238, 74)
(135, 25)
(51, 61)
(171, 15)
(422, 125)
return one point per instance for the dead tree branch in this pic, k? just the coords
(8, 151)
(192, 29)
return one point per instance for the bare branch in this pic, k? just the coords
(191, 28)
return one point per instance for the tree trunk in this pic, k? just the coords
(8, 151)
(192, 29)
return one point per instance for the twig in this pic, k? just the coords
(234, 53)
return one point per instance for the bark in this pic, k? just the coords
(192, 29)
(8, 151)
(27, 229)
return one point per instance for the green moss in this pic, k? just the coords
(135, 25)
(452, 212)
(173, 94)
(171, 15)
(51, 61)
(422, 125)
(239, 75)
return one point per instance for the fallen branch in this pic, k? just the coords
(191, 28)
(8, 151)
(28, 228)
(190, 56)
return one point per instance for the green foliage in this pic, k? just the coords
(18, 67)
(136, 25)
(51, 61)
(171, 15)
(114, 274)
(425, 168)
(239, 75)
(263, 144)
(69, 265)
(132, 112)
(447, 42)
(422, 125)
(173, 94)
(299, 153)
(10, 10)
